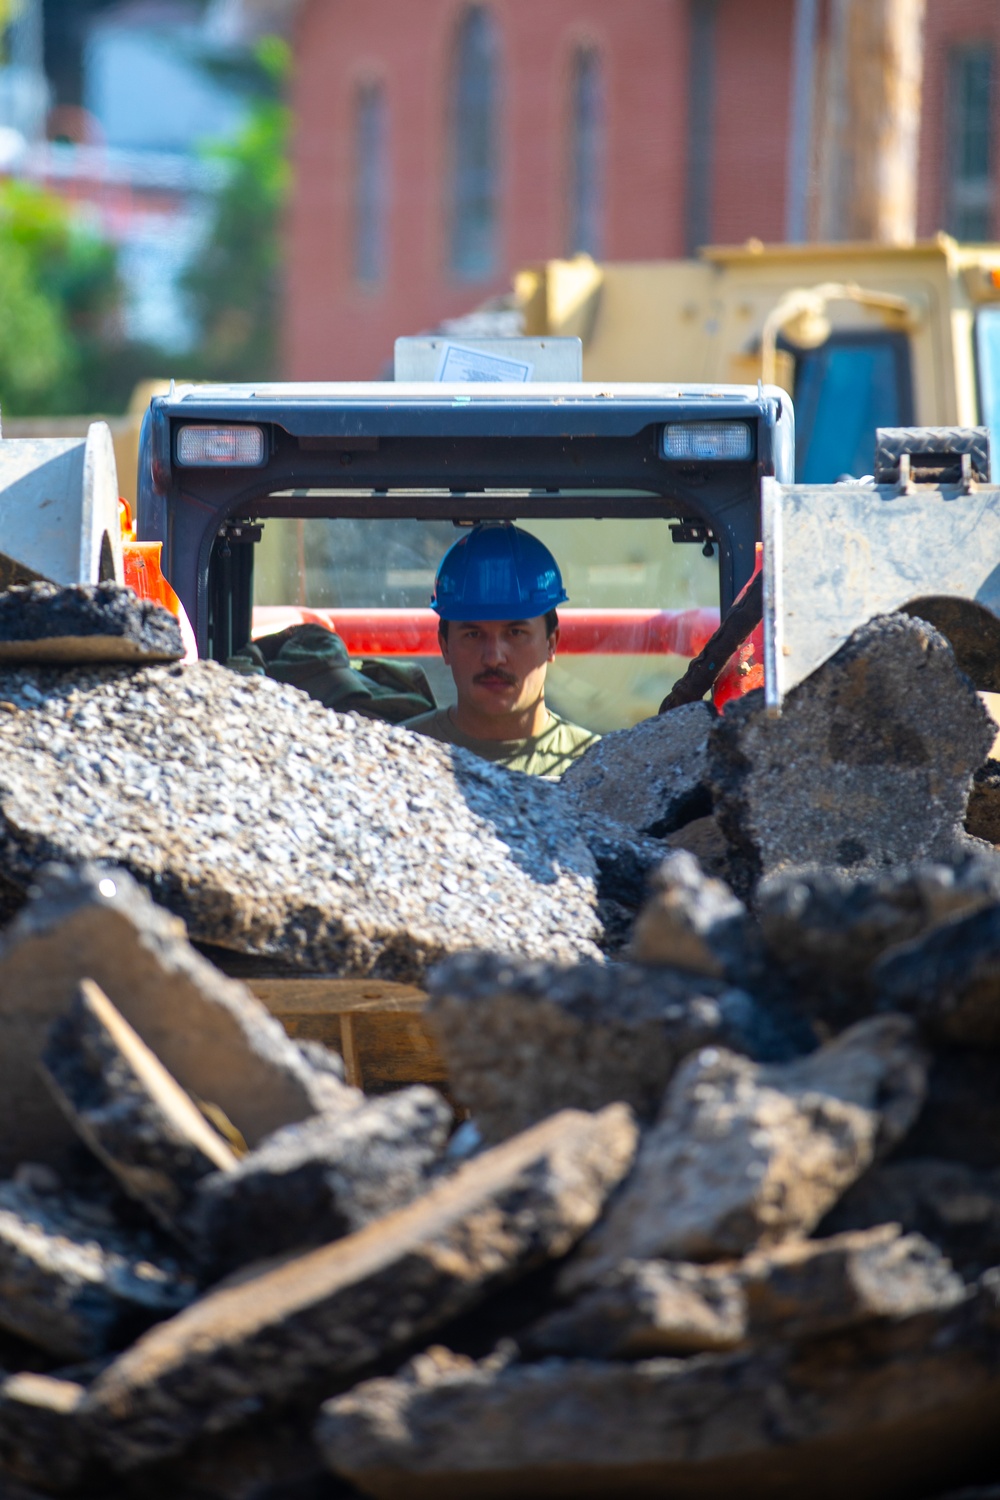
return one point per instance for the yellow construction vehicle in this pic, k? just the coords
(862, 336)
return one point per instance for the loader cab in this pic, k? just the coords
(283, 503)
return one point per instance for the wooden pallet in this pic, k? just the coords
(377, 1026)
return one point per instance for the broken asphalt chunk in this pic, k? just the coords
(811, 1288)
(955, 1206)
(41, 1439)
(324, 1316)
(522, 1039)
(949, 979)
(691, 921)
(651, 778)
(274, 1461)
(705, 840)
(83, 624)
(803, 1289)
(210, 1033)
(827, 928)
(318, 1180)
(746, 1155)
(910, 1406)
(123, 1103)
(74, 1287)
(646, 1308)
(868, 765)
(982, 816)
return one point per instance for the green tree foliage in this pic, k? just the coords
(61, 348)
(62, 345)
(235, 283)
(33, 342)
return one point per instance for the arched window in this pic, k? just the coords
(370, 183)
(587, 145)
(474, 147)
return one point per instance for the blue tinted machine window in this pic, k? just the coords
(988, 359)
(843, 391)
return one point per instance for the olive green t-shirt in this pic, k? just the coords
(546, 754)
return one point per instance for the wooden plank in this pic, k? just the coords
(349, 1052)
(396, 1049)
(332, 997)
(377, 1026)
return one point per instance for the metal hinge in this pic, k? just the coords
(908, 456)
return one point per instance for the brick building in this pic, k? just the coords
(960, 138)
(441, 143)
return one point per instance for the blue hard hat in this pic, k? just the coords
(497, 572)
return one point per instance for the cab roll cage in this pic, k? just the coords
(460, 453)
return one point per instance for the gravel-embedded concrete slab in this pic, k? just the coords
(270, 1334)
(827, 928)
(76, 1287)
(41, 1439)
(887, 1417)
(651, 778)
(950, 979)
(123, 1103)
(745, 1155)
(522, 1039)
(83, 624)
(278, 828)
(643, 1309)
(868, 765)
(316, 1181)
(692, 921)
(211, 1034)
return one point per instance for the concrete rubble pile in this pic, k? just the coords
(713, 1204)
(276, 828)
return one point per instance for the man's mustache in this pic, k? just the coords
(496, 674)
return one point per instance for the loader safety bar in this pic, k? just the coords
(583, 632)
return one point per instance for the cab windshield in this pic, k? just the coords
(607, 565)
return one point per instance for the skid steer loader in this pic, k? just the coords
(407, 462)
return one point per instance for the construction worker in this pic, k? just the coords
(496, 593)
